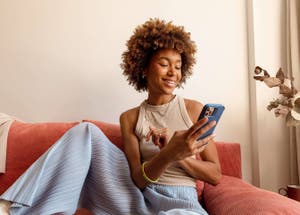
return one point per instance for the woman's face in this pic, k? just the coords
(164, 71)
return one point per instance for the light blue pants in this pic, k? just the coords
(83, 167)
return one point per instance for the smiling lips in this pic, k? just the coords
(169, 83)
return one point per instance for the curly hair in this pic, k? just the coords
(148, 38)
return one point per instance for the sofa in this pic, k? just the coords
(28, 141)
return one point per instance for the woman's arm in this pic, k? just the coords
(208, 169)
(155, 167)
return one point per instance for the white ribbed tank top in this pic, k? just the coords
(174, 116)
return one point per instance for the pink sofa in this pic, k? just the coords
(27, 141)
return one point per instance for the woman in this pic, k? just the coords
(159, 59)
(159, 138)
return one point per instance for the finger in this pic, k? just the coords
(159, 136)
(205, 141)
(162, 136)
(155, 140)
(200, 149)
(163, 141)
(152, 128)
(161, 131)
(160, 139)
(203, 130)
(149, 134)
(196, 126)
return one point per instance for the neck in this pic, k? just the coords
(159, 100)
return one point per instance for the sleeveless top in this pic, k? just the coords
(173, 116)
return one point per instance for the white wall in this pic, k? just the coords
(59, 60)
(270, 135)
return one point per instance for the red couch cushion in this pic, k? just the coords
(235, 196)
(232, 166)
(26, 143)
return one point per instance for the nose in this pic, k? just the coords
(171, 71)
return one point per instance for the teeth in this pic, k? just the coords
(170, 82)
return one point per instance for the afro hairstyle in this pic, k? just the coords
(148, 38)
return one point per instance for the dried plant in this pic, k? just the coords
(288, 103)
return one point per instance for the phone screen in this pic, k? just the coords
(212, 112)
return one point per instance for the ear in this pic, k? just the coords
(144, 74)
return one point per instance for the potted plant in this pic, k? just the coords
(288, 102)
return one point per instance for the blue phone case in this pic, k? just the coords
(212, 112)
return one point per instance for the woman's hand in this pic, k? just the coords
(184, 143)
(159, 136)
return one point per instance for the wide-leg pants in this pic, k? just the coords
(84, 168)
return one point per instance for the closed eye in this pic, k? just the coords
(163, 65)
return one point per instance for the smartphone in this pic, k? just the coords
(212, 112)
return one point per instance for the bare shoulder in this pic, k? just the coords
(193, 108)
(129, 117)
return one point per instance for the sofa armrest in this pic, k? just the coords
(234, 196)
(230, 158)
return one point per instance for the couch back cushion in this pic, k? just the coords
(230, 158)
(26, 143)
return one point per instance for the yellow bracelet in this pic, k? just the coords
(145, 176)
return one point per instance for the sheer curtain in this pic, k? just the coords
(293, 66)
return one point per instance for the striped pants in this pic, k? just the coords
(84, 168)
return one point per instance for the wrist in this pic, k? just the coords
(182, 162)
(166, 156)
(152, 169)
(145, 176)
